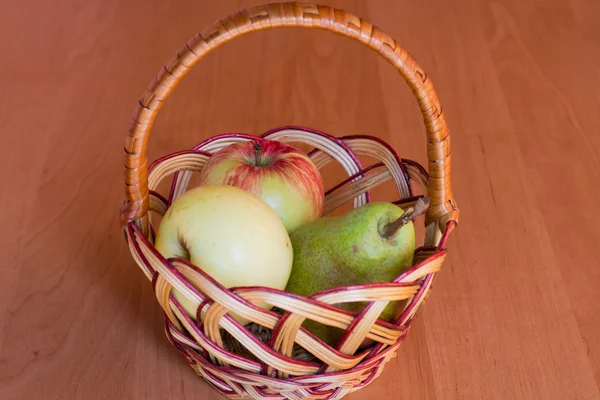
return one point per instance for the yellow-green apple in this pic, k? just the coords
(229, 233)
(280, 174)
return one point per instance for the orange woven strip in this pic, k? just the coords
(443, 207)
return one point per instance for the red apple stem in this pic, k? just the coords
(417, 209)
(257, 153)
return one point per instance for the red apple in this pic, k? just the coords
(281, 175)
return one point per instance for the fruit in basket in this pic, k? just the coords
(370, 244)
(232, 235)
(280, 174)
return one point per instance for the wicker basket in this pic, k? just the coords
(274, 357)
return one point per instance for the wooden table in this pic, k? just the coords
(514, 314)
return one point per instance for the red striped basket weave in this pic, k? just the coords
(273, 357)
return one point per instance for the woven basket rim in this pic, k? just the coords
(314, 298)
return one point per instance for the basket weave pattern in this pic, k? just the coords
(233, 358)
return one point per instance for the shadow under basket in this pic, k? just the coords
(274, 356)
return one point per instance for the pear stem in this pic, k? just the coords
(417, 209)
(257, 150)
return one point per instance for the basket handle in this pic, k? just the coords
(442, 206)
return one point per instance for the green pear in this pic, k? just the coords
(369, 244)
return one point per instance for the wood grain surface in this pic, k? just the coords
(514, 314)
